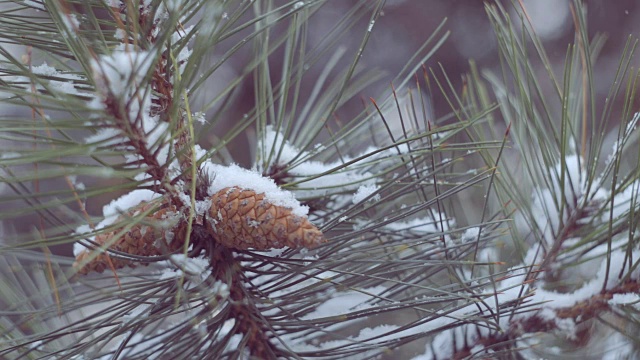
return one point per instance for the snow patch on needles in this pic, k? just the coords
(425, 225)
(624, 299)
(121, 73)
(547, 202)
(63, 82)
(440, 348)
(619, 261)
(337, 177)
(365, 337)
(116, 207)
(71, 24)
(510, 290)
(136, 313)
(120, 76)
(184, 54)
(591, 208)
(197, 270)
(113, 210)
(56, 82)
(173, 5)
(105, 137)
(631, 125)
(470, 235)
(190, 265)
(234, 175)
(274, 140)
(575, 181)
(345, 302)
(341, 303)
(365, 191)
(620, 143)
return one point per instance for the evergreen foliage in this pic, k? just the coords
(505, 229)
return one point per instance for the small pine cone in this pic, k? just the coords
(150, 237)
(243, 219)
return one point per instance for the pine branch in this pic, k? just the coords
(271, 225)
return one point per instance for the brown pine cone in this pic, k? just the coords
(153, 236)
(243, 219)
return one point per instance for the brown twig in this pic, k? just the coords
(249, 320)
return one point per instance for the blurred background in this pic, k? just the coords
(406, 24)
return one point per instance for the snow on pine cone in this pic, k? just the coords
(157, 234)
(243, 219)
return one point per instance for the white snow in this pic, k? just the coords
(620, 143)
(365, 191)
(566, 327)
(64, 82)
(508, 290)
(547, 201)
(470, 235)
(624, 299)
(190, 265)
(10, 155)
(201, 206)
(113, 210)
(345, 302)
(76, 184)
(127, 201)
(120, 73)
(234, 175)
(556, 300)
(200, 117)
(70, 22)
(196, 270)
(120, 34)
(425, 225)
(631, 125)
(135, 313)
(616, 346)
(184, 54)
(345, 179)
(624, 201)
(102, 135)
(173, 5)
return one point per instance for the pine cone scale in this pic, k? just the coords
(248, 220)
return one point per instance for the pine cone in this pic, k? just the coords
(151, 237)
(243, 219)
